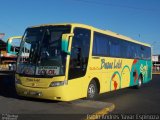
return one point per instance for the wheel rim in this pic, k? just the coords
(139, 82)
(91, 91)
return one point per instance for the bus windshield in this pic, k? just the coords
(40, 51)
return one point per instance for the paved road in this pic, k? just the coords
(43, 109)
(129, 100)
(141, 101)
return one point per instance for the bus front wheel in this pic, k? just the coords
(92, 90)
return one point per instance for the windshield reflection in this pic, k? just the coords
(40, 51)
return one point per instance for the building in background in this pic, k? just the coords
(2, 46)
(156, 63)
(2, 35)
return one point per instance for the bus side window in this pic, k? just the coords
(100, 45)
(79, 53)
(115, 48)
(148, 53)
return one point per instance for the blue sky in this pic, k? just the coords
(138, 19)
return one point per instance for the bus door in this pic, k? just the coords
(78, 60)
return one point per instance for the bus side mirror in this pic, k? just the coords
(65, 42)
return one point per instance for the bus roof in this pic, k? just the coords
(108, 32)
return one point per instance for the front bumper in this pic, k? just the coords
(51, 93)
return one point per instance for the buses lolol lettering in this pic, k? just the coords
(47, 70)
(44, 72)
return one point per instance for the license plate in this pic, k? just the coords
(33, 93)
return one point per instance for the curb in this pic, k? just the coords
(100, 113)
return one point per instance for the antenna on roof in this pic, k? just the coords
(139, 35)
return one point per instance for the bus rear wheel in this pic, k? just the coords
(92, 90)
(139, 85)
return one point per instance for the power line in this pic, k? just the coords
(116, 5)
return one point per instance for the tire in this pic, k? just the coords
(139, 85)
(92, 90)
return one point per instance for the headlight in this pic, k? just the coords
(58, 83)
(17, 81)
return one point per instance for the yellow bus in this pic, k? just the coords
(65, 62)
